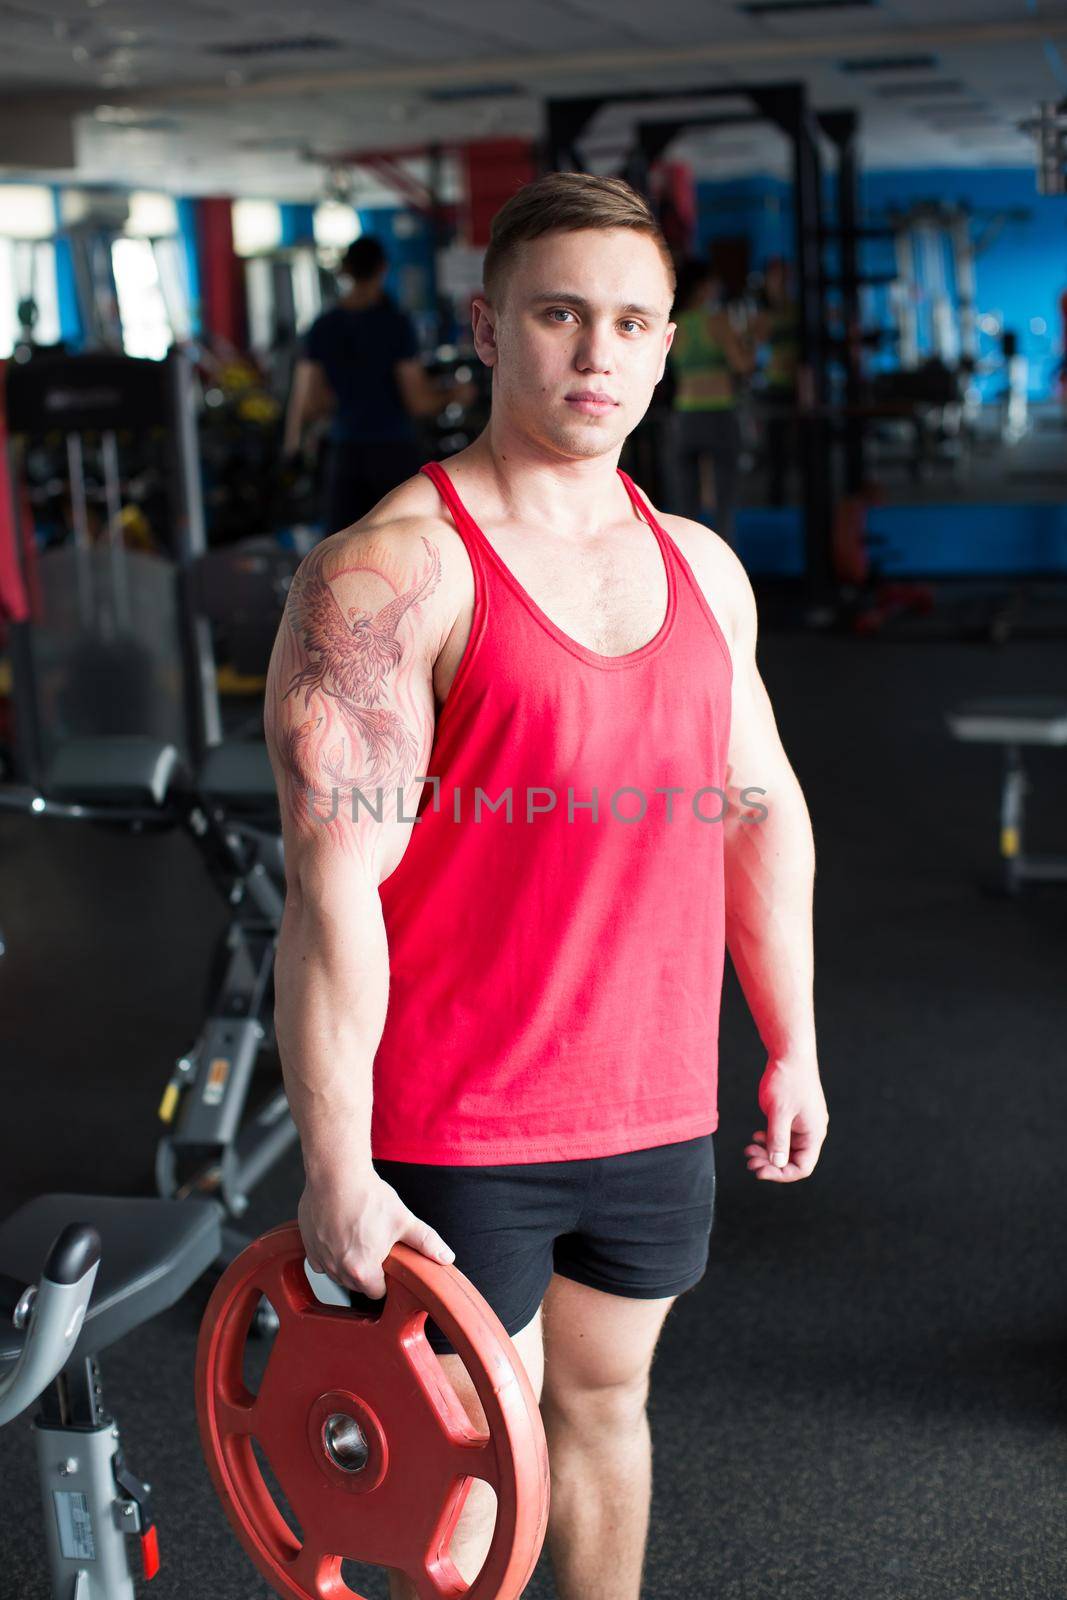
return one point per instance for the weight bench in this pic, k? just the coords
(110, 1265)
(230, 810)
(1013, 722)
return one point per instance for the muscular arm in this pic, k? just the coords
(770, 863)
(349, 721)
(422, 397)
(770, 870)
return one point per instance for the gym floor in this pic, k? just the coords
(866, 1395)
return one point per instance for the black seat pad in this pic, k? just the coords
(115, 769)
(152, 1252)
(239, 772)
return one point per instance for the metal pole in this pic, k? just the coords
(120, 576)
(842, 128)
(190, 543)
(963, 262)
(83, 575)
(811, 377)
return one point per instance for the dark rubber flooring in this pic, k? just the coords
(865, 1397)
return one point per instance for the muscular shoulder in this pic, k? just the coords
(407, 539)
(722, 578)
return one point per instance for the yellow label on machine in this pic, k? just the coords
(169, 1103)
(1009, 841)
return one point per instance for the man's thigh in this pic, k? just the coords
(642, 1240)
(529, 1346)
(597, 1344)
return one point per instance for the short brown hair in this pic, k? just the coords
(567, 202)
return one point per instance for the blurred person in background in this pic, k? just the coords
(360, 368)
(707, 358)
(776, 327)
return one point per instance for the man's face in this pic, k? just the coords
(578, 338)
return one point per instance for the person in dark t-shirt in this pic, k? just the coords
(360, 365)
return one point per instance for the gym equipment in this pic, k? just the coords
(1049, 133)
(241, 590)
(372, 1450)
(110, 1265)
(1013, 722)
(213, 1145)
(113, 644)
(116, 707)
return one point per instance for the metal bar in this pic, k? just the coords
(963, 262)
(83, 576)
(30, 801)
(1042, 869)
(261, 1143)
(120, 576)
(842, 128)
(811, 383)
(190, 543)
(905, 304)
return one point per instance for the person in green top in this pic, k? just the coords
(776, 326)
(707, 357)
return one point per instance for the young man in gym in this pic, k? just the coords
(561, 686)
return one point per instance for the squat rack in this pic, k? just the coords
(826, 363)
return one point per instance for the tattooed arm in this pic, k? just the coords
(349, 720)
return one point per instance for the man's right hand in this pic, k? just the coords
(349, 1228)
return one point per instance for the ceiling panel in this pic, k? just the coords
(246, 121)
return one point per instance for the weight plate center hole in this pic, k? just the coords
(345, 1442)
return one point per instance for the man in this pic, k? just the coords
(708, 359)
(606, 803)
(361, 368)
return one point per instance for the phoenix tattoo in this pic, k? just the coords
(350, 658)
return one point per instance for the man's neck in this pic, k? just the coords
(359, 298)
(527, 481)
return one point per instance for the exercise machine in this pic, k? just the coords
(1014, 723)
(109, 1266)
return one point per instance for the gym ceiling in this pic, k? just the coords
(252, 99)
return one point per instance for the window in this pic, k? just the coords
(152, 216)
(146, 329)
(27, 272)
(27, 211)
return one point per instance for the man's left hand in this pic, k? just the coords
(792, 1100)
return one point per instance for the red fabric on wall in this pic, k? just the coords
(222, 286)
(496, 169)
(14, 601)
(674, 193)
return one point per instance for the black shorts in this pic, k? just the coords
(636, 1224)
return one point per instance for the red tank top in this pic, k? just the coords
(556, 924)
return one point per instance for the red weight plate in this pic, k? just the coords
(397, 1502)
